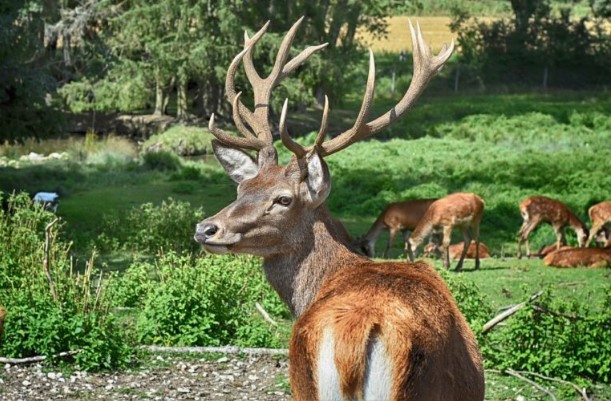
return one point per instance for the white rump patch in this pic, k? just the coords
(328, 376)
(378, 371)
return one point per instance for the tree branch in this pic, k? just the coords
(40, 358)
(582, 392)
(229, 349)
(502, 316)
(538, 386)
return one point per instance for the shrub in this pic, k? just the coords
(557, 338)
(161, 161)
(149, 228)
(182, 140)
(208, 301)
(50, 308)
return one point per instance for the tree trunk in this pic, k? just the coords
(181, 99)
(159, 97)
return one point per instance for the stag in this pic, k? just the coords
(364, 330)
(396, 217)
(462, 210)
(600, 216)
(539, 209)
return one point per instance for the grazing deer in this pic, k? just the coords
(455, 250)
(538, 209)
(575, 257)
(397, 216)
(364, 330)
(463, 210)
(600, 216)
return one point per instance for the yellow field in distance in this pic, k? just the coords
(435, 29)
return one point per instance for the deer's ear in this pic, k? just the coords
(238, 164)
(316, 185)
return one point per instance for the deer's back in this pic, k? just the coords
(546, 209)
(600, 212)
(408, 309)
(456, 208)
(575, 257)
(406, 214)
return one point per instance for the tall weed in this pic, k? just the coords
(50, 307)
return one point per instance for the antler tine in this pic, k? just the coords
(234, 141)
(237, 117)
(230, 90)
(357, 131)
(288, 142)
(323, 124)
(249, 67)
(425, 67)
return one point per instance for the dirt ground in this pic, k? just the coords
(163, 377)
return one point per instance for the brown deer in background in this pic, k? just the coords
(539, 209)
(455, 250)
(2, 315)
(600, 216)
(462, 210)
(576, 257)
(397, 216)
(364, 330)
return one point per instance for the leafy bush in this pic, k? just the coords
(182, 140)
(207, 301)
(50, 308)
(569, 340)
(161, 160)
(473, 303)
(149, 228)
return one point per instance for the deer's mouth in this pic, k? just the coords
(218, 245)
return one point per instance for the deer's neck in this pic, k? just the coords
(375, 230)
(298, 273)
(575, 222)
(423, 230)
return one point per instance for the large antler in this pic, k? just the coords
(255, 126)
(425, 67)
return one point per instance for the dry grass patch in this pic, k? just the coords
(436, 30)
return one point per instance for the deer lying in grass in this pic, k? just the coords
(455, 250)
(539, 209)
(460, 210)
(396, 217)
(600, 216)
(575, 257)
(364, 330)
(547, 249)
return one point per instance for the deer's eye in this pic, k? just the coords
(283, 200)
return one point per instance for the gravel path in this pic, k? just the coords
(163, 377)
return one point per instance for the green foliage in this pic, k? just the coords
(538, 46)
(472, 302)
(149, 228)
(50, 307)
(557, 338)
(182, 140)
(26, 110)
(162, 160)
(207, 301)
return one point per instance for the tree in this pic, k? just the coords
(26, 81)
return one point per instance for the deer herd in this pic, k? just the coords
(364, 330)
